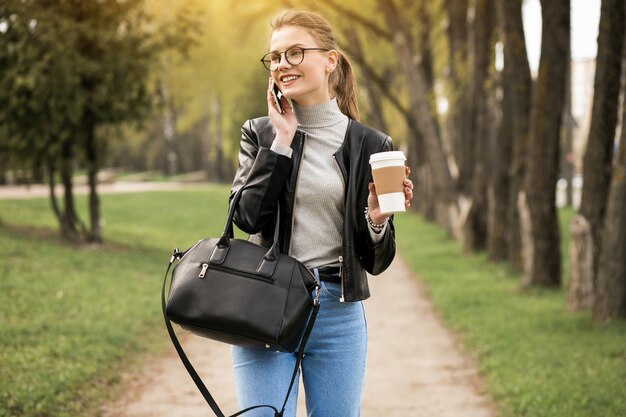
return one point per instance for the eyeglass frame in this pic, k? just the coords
(287, 59)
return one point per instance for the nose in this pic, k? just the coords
(283, 63)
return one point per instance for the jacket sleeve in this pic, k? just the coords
(264, 173)
(378, 256)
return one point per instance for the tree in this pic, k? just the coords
(599, 152)
(517, 86)
(610, 294)
(421, 113)
(540, 232)
(39, 104)
(480, 58)
(456, 31)
(58, 94)
(499, 180)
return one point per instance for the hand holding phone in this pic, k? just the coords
(281, 114)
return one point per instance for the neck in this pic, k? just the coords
(318, 115)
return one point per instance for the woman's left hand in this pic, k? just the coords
(372, 200)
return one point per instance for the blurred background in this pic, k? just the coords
(511, 114)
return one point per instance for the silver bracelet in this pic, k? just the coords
(376, 227)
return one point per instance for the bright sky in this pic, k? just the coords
(585, 18)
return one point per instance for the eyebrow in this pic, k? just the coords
(291, 46)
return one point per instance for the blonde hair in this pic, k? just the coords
(342, 81)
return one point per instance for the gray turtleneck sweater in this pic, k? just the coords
(319, 196)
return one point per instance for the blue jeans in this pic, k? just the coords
(333, 368)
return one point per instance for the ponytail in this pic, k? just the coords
(343, 86)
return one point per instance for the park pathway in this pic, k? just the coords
(39, 190)
(415, 368)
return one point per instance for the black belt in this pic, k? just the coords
(329, 274)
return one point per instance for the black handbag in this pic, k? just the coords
(237, 292)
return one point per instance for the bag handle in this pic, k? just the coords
(196, 378)
(270, 259)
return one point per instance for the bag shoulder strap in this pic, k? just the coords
(196, 378)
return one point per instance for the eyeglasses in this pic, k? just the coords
(294, 56)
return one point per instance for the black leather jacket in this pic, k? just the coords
(271, 178)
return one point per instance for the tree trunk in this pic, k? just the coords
(219, 162)
(499, 180)
(424, 200)
(567, 154)
(417, 148)
(580, 287)
(69, 221)
(543, 266)
(169, 129)
(425, 56)
(457, 68)
(91, 157)
(51, 188)
(3, 174)
(420, 107)
(610, 294)
(475, 228)
(598, 155)
(518, 84)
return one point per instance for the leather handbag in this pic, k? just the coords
(234, 291)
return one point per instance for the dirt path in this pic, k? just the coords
(414, 368)
(38, 190)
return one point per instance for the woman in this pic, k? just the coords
(310, 159)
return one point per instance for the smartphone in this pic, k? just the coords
(277, 94)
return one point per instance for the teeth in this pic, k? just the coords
(290, 78)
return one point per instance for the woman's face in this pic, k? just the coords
(306, 83)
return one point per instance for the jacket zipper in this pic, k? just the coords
(345, 182)
(237, 272)
(342, 299)
(295, 186)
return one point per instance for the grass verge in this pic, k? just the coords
(537, 359)
(74, 318)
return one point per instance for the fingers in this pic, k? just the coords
(372, 188)
(270, 98)
(408, 190)
(271, 105)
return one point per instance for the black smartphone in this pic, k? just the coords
(277, 94)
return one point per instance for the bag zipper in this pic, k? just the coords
(233, 271)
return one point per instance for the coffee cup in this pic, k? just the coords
(389, 174)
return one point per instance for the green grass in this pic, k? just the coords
(73, 318)
(537, 359)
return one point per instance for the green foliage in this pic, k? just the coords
(537, 359)
(73, 318)
(63, 60)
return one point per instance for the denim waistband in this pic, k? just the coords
(327, 273)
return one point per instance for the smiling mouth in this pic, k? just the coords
(288, 78)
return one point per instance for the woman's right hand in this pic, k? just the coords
(286, 123)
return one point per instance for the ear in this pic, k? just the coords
(333, 61)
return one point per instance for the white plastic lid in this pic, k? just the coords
(386, 156)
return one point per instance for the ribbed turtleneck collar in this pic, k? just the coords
(319, 115)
